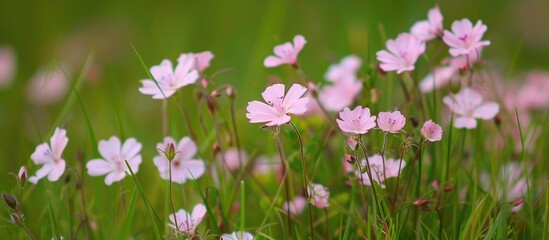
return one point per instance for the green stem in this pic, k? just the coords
(278, 142)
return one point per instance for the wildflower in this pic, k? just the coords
(357, 121)
(347, 67)
(183, 165)
(7, 66)
(464, 38)
(50, 157)
(286, 53)
(319, 195)
(391, 122)
(114, 156)
(377, 168)
(510, 184)
(167, 80)
(47, 87)
(403, 53)
(237, 236)
(186, 222)
(352, 143)
(265, 165)
(431, 131)
(230, 158)
(431, 28)
(296, 206)
(22, 175)
(468, 104)
(443, 75)
(200, 61)
(279, 106)
(340, 94)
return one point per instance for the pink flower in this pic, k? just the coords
(464, 38)
(339, 95)
(534, 94)
(296, 206)
(391, 122)
(431, 131)
(286, 53)
(50, 156)
(7, 66)
(265, 165)
(200, 60)
(184, 166)
(431, 28)
(230, 159)
(443, 75)
(319, 195)
(114, 156)
(358, 121)
(47, 87)
(167, 80)
(510, 183)
(403, 53)
(237, 236)
(347, 67)
(378, 173)
(279, 106)
(468, 104)
(187, 222)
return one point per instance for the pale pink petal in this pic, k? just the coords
(42, 172)
(162, 72)
(57, 171)
(42, 154)
(186, 148)
(98, 167)
(203, 60)
(486, 111)
(130, 149)
(272, 61)
(59, 141)
(193, 169)
(114, 177)
(110, 149)
(465, 122)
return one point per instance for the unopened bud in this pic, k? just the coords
(216, 149)
(204, 83)
(15, 219)
(210, 102)
(215, 93)
(518, 202)
(10, 201)
(352, 143)
(169, 151)
(434, 184)
(449, 187)
(22, 176)
(350, 159)
(421, 202)
(230, 92)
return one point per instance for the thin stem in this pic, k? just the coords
(20, 215)
(418, 181)
(24, 226)
(398, 176)
(165, 117)
(278, 142)
(304, 174)
(327, 225)
(368, 171)
(383, 155)
(171, 197)
(79, 185)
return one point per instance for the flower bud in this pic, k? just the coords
(230, 92)
(518, 202)
(10, 201)
(22, 175)
(350, 159)
(216, 148)
(421, 202)
(352, 143)
(449, 187)
(215, 93)
(204, 83)
(15, 219)
(434, 184)
(169, 151)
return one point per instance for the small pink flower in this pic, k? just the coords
(319, 195)
(533, 94)
(279, 106)
(339, 95)
(286, 53)
(464, 38)
(187, 222)
(431, 131)
(468, 104)
(168, 80)
(510, 183)
(47, 87)
(115, 155)
(200, 60)
(184, 166)
(265, 165)
(50, 156)
(237, 236)
(7, 66)
(391, 122)
(358, 121)
(440, 77)
(296, 206)
(230, 159)
(378, 173)
(431, 28)
(347, 67)
(403, 53)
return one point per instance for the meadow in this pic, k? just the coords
(274, 120)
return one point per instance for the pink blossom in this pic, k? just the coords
(230, 159)
(187, 222)
(403, 53)
(468, 105)
(464, 38)
(200, 60)
(339, 95)
(114, 156)
(7, 66)
(265, 165)
(319, 195)
(279, 106)
(47, 87)
(378, 174)
(347, 67)
(296, 206)
(358, 121)
(352, 143)
(184, 166)
(50, 156)
(431, 28)
(391, 122)
(237, 236)
(168, 80)
(510, 184)
(443, 75)
(534, 94)
(431, 131)
(286, 53)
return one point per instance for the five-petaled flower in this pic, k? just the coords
(358, 121)
(115, 155)
(380, 171)
(278, 107)
(187, 222)
(286, 53)
(184, 166)
(345, 84)
(168, 80)
(468, 104)
(431, 131)
(402, 55)
(431, 28)
(50, 157)
(464, 38)
(391, 122)
(319, 195)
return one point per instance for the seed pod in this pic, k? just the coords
(169, 151)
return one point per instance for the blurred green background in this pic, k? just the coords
(239, 33)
